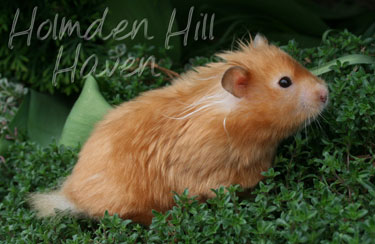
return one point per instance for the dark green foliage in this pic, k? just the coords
(334, 44)
(350, 115)
(27, 65)
(320, 190)
(136, 77)
(302, 20)
(118, 87)
(233, 20)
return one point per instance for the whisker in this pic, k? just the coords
(208, 78)
(317, 121)
(323, 117)
(189, 114)
(225, 128)
(199, 102)
(203, 103)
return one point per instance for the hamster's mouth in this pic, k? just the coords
(313, 113)
(313, 102)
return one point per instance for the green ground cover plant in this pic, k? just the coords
(320, 190)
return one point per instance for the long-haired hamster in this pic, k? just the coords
(214, 126)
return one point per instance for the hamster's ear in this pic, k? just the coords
(259, 40)
(236, 80)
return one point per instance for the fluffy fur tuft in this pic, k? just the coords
(48, 204)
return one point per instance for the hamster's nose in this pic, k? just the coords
(323, 96)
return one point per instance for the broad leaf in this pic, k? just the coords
(41, 118)
(46, 117)
(19, 122)
(89, 108)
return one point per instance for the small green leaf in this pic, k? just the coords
(351, 59)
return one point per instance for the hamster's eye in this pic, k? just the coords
(285, 82)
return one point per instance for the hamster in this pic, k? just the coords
(215, 126)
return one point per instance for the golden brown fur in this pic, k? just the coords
(192, 134)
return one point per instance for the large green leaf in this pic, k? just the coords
(4, 144)
(89, 108)
(19, 121)
(46, 117)
(41, 117)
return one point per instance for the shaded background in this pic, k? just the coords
(304, 21)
